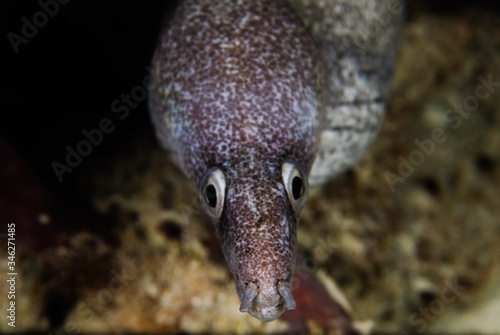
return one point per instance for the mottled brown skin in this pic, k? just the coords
(249, 100)
(239, 97)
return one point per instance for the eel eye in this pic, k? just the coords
(211, 195)
(213, 191)
(295, 185)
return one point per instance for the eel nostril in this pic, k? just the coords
(251, 291)
(286, 293)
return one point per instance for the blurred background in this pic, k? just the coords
(123, 211)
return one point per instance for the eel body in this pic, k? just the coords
(246, 106)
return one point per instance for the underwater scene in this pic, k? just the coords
(122, 206)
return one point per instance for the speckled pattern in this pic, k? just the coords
(392, 254)
(358, 41)
(244, 88)
(239, 94)
(234, 81)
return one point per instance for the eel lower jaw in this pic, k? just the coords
(267, 302)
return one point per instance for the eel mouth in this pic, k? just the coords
(267, 302)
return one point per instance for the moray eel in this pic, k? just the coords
(251, 95)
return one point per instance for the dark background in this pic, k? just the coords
(63, 81)
(66, 77)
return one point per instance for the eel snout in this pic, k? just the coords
(267, 301)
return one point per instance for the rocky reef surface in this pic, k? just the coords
(406, 241)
